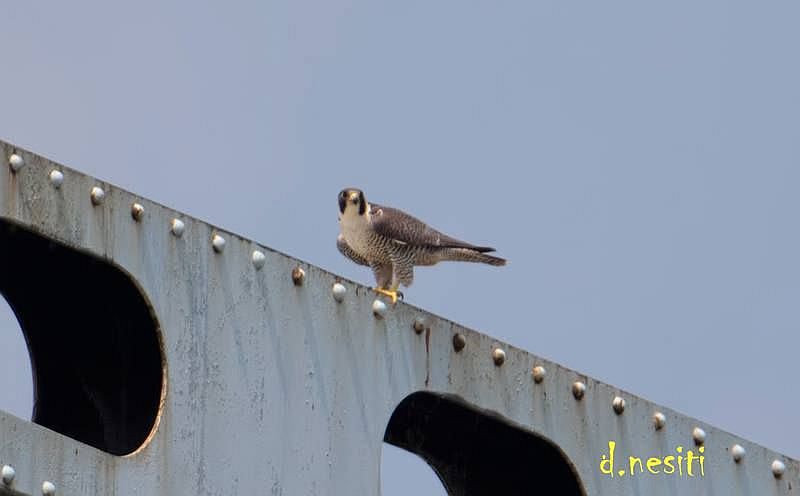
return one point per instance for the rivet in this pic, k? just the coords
(56, 178)
(499, 356)
(459, 342)
(659, 420)
(137, 212)
(298, 276)
(778, 468)
(98, 195)
(48, 488)
(339, 290)
(258, 258)
(218, 242)
(538, 374)
(578, 389)
(8, 474)
(419, 325)
(699, 436)
(618, 405)
(378, 308)
(738, 452)
(16, 162)
(177, 227)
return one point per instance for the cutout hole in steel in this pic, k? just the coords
(92, 339)
(476, 454)
(404, 473)
(16, 380)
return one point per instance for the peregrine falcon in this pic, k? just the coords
(391, 242)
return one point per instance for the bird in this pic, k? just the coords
(392, 242)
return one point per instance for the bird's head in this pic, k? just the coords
(352, 202)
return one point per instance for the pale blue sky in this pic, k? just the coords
(637, 162)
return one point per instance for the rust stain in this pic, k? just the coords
(427, 356)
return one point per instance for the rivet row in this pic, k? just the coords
(177, 227)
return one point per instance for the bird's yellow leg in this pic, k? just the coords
(393, 294)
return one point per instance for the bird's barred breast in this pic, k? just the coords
(366, 243)
(356, 237)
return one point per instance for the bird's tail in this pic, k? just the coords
(474, 255)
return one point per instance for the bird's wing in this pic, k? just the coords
(348, 252)
(401, 227)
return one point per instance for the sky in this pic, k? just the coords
(637, 162)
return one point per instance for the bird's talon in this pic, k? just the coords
(391, 294)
